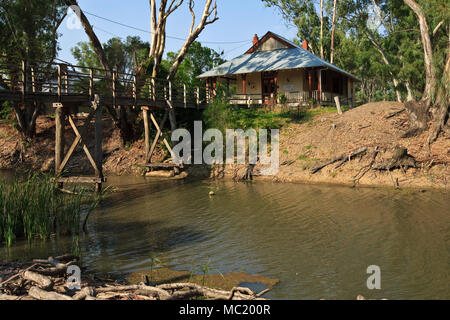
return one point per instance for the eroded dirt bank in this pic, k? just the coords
(372, 126)
(376, 127)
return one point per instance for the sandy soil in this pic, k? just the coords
(302, 146)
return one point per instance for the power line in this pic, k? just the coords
(149, 32)
(102, 30)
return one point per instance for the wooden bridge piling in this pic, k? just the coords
(59, 137)
(98, 143)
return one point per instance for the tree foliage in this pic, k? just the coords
(28, 31)
(377, 40)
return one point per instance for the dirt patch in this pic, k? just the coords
(375, 126)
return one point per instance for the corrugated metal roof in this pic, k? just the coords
(280, 59)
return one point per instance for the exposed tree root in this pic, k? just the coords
(400, 160)
(364, 170)
(418, 114)
(439, 125)
(342, 159)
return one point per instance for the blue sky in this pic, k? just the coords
(239, 21)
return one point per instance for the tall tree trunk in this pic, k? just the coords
(442, 111)
(430, 84)
(386, 61)
(119, 116)
(409, 90)
(321, 30)
(333, 31)
(418, 112)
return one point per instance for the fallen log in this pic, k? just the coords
(84, 293)
(58, 269)
(160, 174)
(16, 275)
(39, 294)
(5, 297)
(42, 281)
(342, 159)
(142, 288)
(208, 292)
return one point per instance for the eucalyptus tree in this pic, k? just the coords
(433, 19)
(28, 31)
(159, 13)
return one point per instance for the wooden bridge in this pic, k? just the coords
(65, 86)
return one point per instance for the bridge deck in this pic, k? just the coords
(50, 83)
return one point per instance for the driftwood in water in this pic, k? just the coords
(341, 159)
(160, 174)
(40, 294)
(58, 268)
(6, 297)
(44, 280)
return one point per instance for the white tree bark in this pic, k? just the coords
(386, 61)
(210, 10)
(333, 31)
(430, 84)
(321, 30)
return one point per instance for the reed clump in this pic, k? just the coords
(33, 208)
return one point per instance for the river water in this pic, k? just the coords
(318, 240)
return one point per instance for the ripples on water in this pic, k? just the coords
(317, 240)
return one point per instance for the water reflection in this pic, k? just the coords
(318, 240)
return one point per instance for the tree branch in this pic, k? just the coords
(208, 11)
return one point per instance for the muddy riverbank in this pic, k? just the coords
(304, 144)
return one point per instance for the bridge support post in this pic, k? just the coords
(147, 132)
(59, 139)
(98, 145)
(60, 130)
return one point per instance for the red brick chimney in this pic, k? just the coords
(255, 40)
(305, 45)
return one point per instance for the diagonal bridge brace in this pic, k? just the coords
(81, 138)
(159, 134)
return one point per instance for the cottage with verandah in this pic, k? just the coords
(274, 67)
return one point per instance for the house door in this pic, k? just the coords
(269, 87)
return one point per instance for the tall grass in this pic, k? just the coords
(33, 208)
